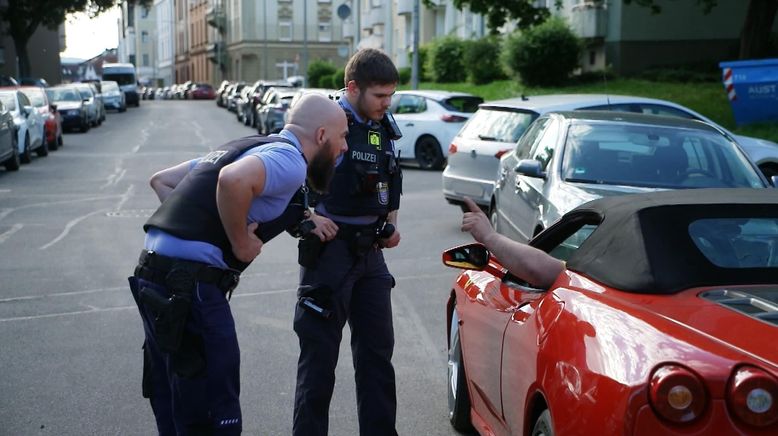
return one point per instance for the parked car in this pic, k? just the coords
(99, 102)
(429, 120)
(257, 94)
(203, 91)
(242, 102)
(568, 158)
(233, 96)
(663, 322)
(70, 106)
(127, 78)
(272, 110)
(496, 126)
(9, 152)
(52, 124)
(299, 92)
(33, 81)
(28, 124)
(219, 91)
(113, 97)
(90, 102)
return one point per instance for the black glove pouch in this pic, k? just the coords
(308, 251)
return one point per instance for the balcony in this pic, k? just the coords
(589, 19)
(405, 7)
(215, 17)
(217, 53)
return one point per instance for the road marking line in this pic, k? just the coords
(62, 294)
(79, 312)
(70, 226)
(8, 211)
(15, 228)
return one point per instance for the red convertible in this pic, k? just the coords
(663, 322)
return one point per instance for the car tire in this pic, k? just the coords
(428, 153)
(43, 149)
(494, 218)
(123, 109)
(53, 145)
(458, 396)
(26, 156)
(13, 163)
(543, 425)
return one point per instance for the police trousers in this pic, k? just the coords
(194, 393)
(357, 289)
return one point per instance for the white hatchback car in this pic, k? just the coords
(429, 120)
(495, 128)
(28, 122)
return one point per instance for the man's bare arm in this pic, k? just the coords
(163, 182)
(239, 182)
(536, 267)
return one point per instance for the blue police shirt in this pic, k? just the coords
(285, 172)
(320, 208)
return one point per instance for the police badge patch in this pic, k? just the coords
(374, 139)
(383, 193)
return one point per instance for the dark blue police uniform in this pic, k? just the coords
(350, 282)
(182, 284)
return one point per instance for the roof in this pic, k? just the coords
(636, 118)
(561, 102)
(642, 242)
(435, 94)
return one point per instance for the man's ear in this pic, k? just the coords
(321, 134)
(352, 87)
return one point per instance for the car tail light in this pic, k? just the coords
(449, 118)
(752, 396)
(501, 152)
(677, 394)
(452, 148)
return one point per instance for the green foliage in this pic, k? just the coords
(498, 12)
(482, 60)
(543, 55)
(444, 60)
(336, 79)
(405, 75)
(320, 73)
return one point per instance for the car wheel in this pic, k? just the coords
(458, 397)
(26, 156)
(123, 109)
(428, 153)
(543, 425)
(494, 218)
(53, 145)
(43, 150)
(13, 163)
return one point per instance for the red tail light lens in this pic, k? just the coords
(752, 396)
(452, 148)
(501, 152)
(677, 394)
(449, 118)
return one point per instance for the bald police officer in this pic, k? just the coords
(208, 228)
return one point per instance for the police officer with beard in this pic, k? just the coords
(216, 213)
(346, 279)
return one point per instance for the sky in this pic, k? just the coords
(87, 37)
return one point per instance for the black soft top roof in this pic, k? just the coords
(642, 244)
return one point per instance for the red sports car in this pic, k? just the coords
(664, 322)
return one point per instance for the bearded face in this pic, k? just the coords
(322, 168)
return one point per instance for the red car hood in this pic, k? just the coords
(720, 322)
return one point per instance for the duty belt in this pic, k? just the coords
(360, 238)
(155, 267)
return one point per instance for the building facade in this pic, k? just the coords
(138, 41)
(164, 10)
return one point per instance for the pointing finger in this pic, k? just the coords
(471, 205)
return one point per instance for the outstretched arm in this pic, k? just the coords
(536, 267)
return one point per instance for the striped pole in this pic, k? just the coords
(728, 85)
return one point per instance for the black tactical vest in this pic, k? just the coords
(361, 185)
(190, 211)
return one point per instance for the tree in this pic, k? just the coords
(755, 34)
(23, 17)
(497, 12)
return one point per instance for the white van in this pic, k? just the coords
(125, 76)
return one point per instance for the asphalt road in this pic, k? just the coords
(70, 335)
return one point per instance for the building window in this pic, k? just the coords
(144, 36)
(325, 31)
(145, 59)
(285, 31)
(132, 59)
(130, 15)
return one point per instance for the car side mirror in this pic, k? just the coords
(53, 107)
(472, 256)
(530, 168)
(26, 110)
(774, 180)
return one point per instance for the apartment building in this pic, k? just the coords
(137, 40)
(164, 11)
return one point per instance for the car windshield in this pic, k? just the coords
(85, 93)
(462, 104)
(63, 94)
(497, 125)
(36, 97)
(737, 242)
(110, 87)
(120, 78)
(615, 153)
(9, 101)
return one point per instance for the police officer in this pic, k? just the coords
(347, 278)
(216, 213)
